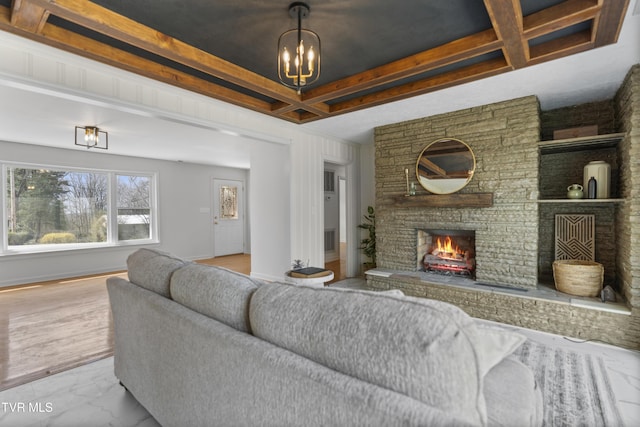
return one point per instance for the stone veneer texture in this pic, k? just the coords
(600, 113)
(628, 216)
(503, 137)
(514, 184)
(543, 315)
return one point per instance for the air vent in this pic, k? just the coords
(329, 181)
(329, 240)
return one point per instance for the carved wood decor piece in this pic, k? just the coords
(575, 237)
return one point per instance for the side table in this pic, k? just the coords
(309, 281)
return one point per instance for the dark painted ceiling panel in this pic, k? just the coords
(356, 35)
(373, 51)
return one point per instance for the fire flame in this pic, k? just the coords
(447, 247)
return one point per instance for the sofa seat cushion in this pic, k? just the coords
(512, 395)
(215, 292)
(152, 269)
(429, 350)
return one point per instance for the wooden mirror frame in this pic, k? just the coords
(440, 155)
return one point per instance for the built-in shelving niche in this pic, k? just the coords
(561, 164)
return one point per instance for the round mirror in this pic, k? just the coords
(445, 166)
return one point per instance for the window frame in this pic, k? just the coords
(112, 211)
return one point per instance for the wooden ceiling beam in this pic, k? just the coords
(109, 55)
(306, 117)
(291, 116)
(563, 15)
(27, 16)
(60, 38)
(71, 42)
(561, 47)
(506, 18)
(609, 23)
(320, 108)
(511, 33)
(449, 53)
(441, 81)
(109, 23)
(427, 164)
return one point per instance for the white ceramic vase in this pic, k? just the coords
(601, 171)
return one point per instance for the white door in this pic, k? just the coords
(228, 217)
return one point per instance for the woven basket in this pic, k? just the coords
(577, 277)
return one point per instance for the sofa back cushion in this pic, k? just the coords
(152, 269)
(426, 349)
(216, 292)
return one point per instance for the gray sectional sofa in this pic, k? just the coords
(204, 346)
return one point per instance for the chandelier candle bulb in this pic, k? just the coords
(286, 57)
(297, 42)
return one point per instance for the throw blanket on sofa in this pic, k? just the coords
(575, 387)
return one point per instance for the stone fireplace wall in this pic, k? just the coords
(507, 132)
(627, 103)
(503, 137)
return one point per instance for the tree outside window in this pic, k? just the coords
(47, 207)
(134, 207)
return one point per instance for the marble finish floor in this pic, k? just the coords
(86, 396)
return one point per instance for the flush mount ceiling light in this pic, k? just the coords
(298, 52)
(92, 137)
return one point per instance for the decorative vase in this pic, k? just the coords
(574, 191)
(592, 188)
(601, 171)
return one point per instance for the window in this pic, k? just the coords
(134, 207)
(228, 202)
(49, 208)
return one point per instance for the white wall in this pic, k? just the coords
(285, 224)
(308, 157)
(184, 223)
(367, 189)
(368, 176)
(270, 214)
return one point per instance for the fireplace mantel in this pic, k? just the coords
(458, 200)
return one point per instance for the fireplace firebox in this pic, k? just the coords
(449, 252)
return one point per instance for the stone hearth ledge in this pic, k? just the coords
(542, 292)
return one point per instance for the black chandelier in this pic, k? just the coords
(298, 52)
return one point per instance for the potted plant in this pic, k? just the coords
(368, 244)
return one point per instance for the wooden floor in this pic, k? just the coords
(240, 263)
(53, 326)
(339, 266)
(49, 327)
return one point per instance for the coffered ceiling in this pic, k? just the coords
(373, 51)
